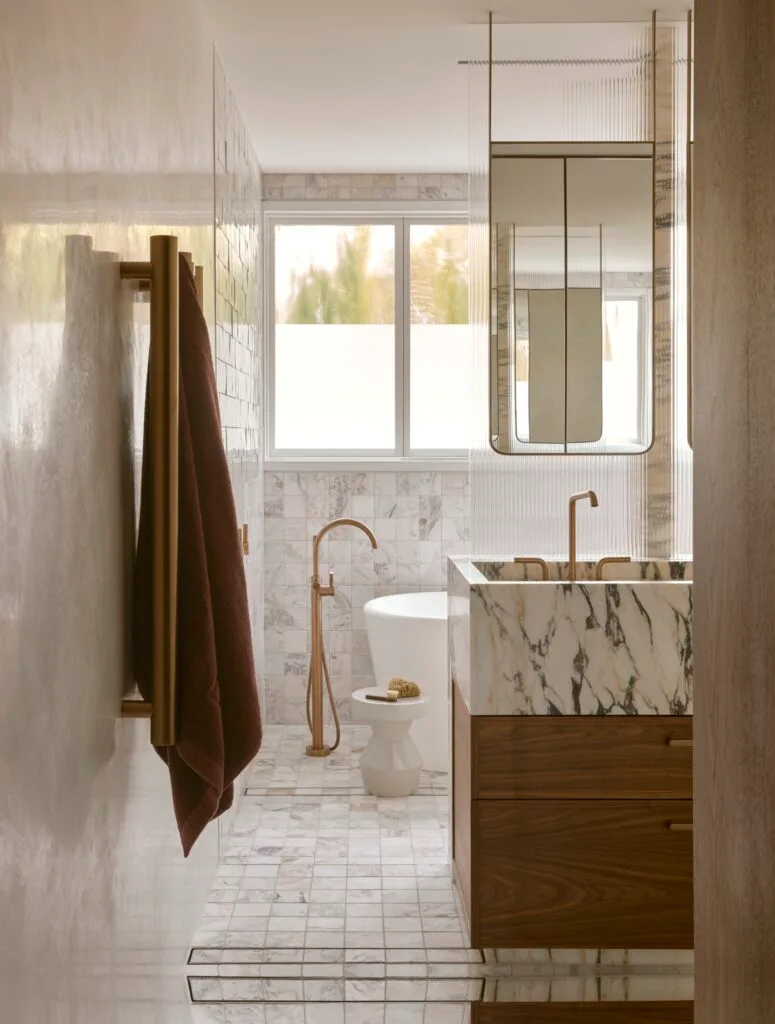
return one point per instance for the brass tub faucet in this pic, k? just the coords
(318, 666)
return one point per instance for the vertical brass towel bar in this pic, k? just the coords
(160, 275)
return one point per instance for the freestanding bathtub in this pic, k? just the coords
(408, 639)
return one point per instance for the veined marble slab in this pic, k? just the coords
(523, 646)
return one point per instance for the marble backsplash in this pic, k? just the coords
(571, 648)
(419, 519)
(512, 571)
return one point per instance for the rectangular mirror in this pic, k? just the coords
(572, 286)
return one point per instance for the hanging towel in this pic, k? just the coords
(218, 716)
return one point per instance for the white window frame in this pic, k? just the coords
(400, 217)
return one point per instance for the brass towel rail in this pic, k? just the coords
(160, 276)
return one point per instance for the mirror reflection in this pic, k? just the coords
(572, 269)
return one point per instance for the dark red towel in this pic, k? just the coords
(219, 721)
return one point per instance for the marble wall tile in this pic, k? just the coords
(377, 187)
(418, 517)
(662, 454)
(238, 346)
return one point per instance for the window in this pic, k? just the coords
(626, 368)
(369, 346)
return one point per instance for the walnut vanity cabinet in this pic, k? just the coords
(573, 832)
(656, 1012)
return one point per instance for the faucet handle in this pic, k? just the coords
(330, 590)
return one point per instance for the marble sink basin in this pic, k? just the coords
(521, 645)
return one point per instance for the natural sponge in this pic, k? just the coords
(404, 688)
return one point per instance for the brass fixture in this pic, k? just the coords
(681, 826)
(244, 538)
(572, 527)
(160, 276)
(535, 561)
(318, 666)
(133, 708)
(680, 743)
(199, 276)
(608, 561)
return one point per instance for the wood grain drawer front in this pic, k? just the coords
(611, 757)
(584, 1013)
(586, 874)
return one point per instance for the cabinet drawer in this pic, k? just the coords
(584, 1013)
(582, 874)
(610, 757)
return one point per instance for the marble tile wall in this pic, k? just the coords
(237, 337)
(380, 187)
(659, 475)
(418, 517)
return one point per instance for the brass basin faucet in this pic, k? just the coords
(572, 527)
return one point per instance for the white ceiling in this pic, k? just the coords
(356, 85)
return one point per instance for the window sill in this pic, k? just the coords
(366, 465)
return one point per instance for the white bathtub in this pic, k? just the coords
(408, 639)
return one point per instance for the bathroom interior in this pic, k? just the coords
(443, 257)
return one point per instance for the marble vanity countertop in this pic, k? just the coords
(522, 646)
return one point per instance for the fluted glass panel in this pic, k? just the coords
(519, 503)
(483, 499)
(581, 84)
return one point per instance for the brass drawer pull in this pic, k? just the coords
(680, 826)
(680, 743)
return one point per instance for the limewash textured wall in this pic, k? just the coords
(106, 136)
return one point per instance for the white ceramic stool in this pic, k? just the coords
(391, 763)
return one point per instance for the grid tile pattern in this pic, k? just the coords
(316, 863)
(334, 1013)
(419, 519)
(332, 905)
(238, 345)
(238, 341)
(237, 338)
(378, 187)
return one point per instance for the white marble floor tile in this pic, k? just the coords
(332, 906)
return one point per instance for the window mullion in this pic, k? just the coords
(407, 331)
(402, 398)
